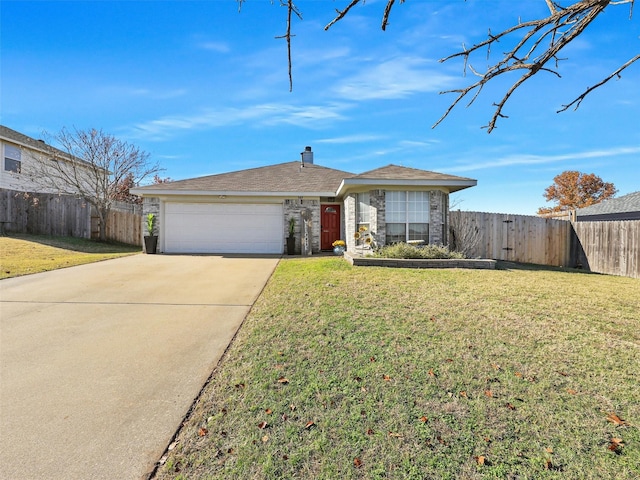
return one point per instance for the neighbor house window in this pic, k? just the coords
(407, 216)
(12, 159)
(363, 214)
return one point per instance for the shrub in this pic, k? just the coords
(403, 250)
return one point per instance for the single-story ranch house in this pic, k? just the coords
(249, 211)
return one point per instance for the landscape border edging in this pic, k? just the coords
(475, 263)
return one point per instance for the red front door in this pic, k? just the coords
(329, 225)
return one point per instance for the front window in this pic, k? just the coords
(407, 216)
(363, 214)
(12, 159)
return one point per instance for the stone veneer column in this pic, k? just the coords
(437, 206)
(378, 218)
(350, 221)
(150, 205)
(293, 208)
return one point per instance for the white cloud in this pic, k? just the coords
(527, 159)
(112, 91)
(351, 139)
(219, 47)
(269, 114)
(392, 79)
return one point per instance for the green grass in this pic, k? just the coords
(418, 374)
(25, 254)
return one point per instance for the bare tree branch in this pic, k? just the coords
(341, 14)
(560, 28)
(91, 165)
(538, 44)
(578, 100)
(291, 9)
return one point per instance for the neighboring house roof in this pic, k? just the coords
(626, 207)
(292, 178)
(21, 139)
(40, 145)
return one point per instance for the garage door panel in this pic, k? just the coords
(223, 228)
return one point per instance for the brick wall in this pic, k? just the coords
(294, 208)
(438, 218)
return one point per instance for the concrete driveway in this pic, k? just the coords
(100, 363)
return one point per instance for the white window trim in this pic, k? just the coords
(406, 211)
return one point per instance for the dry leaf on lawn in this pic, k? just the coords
(613, 418)
(615, 444)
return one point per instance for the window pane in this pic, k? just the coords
(419, 231)
(12, 165)
(396, 207)
(418, 207)
(362, 208)
(396, 232)
(12, 152)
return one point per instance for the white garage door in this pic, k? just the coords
(223, 228)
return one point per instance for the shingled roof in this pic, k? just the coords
(406, 177)
(21, 139)
(283, 178)
(627, 207)
(294, 178)
(40, 145)
(398, 172)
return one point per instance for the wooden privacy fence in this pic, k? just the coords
(516, 238)
(44, 214)
(124, 224)
(609, 247)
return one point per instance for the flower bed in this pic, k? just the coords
(480, 263)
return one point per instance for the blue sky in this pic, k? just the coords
(204, 89)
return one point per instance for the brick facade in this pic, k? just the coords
(438, 218)
(294, 208)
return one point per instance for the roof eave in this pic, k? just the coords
(151, 192)
(451, 185)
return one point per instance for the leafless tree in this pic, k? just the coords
(465, 235)
(537, 46)
(92, 165)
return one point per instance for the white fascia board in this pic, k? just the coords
(150, 192)
(354, 182)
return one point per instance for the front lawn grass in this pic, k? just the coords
(25, 254)
(344, 372)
